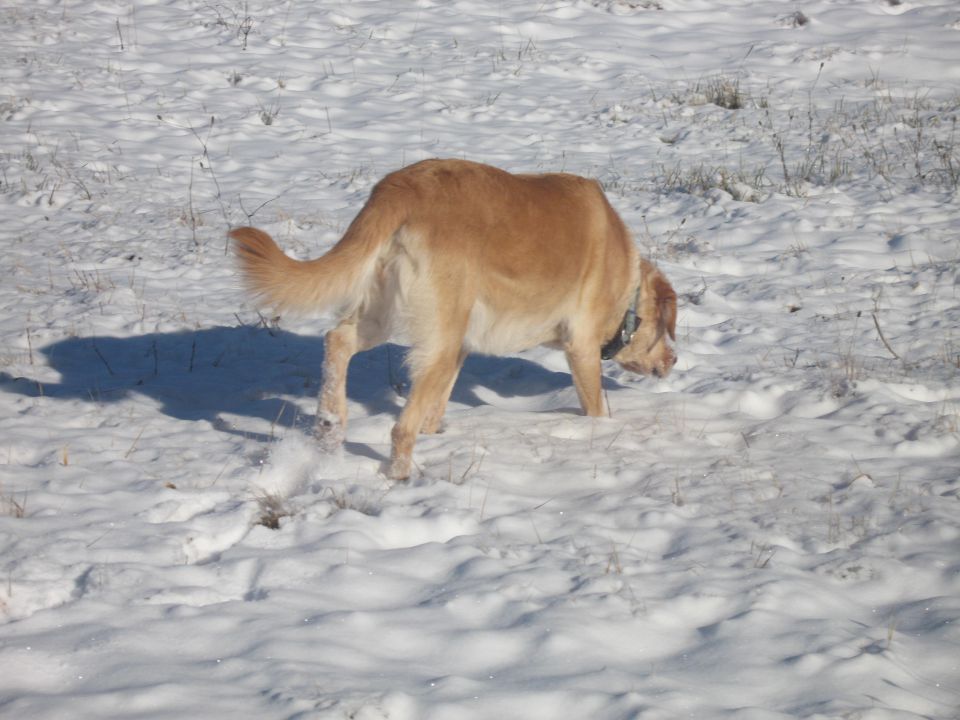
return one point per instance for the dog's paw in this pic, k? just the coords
(329, 432)
(398, 469)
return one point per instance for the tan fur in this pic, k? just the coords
(459, 257)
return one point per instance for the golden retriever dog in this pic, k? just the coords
(456, 257)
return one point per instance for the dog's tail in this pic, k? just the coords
(338, 279)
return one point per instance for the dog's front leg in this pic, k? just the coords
(585, 368)
(431, 385)
(339, 346)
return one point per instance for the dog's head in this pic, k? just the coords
(650, 351)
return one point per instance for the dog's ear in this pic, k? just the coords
(666, 304)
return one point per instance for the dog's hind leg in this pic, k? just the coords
(432, 382)
(340, 345)
(431, 423)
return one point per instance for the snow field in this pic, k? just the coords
(770, 532)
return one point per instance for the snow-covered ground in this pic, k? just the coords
(771, 532)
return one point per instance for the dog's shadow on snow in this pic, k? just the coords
(225, 374)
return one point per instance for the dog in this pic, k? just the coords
(464, 257)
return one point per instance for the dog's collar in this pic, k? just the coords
(628, 328)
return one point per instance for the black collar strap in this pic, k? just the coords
(624, 334)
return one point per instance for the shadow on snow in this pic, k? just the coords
(255, 372)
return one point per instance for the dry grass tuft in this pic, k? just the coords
(273, 509)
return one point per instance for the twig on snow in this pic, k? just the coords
(893, 352)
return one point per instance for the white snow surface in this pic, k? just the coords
(771, 532)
